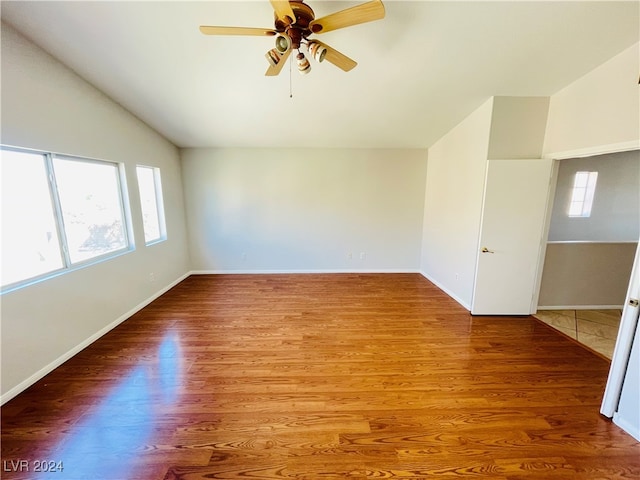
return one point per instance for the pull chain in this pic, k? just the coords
(290, 78)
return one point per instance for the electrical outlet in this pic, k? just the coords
(457, 276)
(244, 256)
(349, 256)
(363, 255)
(152, 277)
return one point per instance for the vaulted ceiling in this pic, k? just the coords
(421, 69)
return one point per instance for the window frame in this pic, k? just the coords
(67, 264)
(159, 203)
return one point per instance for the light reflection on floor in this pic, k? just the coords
(103, 444)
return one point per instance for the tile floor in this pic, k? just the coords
(597, 329)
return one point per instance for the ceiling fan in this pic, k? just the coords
(295, 22)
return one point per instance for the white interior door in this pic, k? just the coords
(513, 214)
(620, 362)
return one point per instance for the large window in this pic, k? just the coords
(58, 213)
(150, 188)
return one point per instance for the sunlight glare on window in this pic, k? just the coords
(30, 244)
(150, 189)
(582, 194)
(91, 207)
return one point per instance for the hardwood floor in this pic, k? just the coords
(319, 377)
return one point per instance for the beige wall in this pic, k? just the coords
(517, 127)
(580, 275)
(46, 106)
(266, 210)
(453, 204)
(601, 108)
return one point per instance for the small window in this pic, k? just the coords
(150, 188)
(584, 188)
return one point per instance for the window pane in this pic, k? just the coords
(149, 188)
(30, 245)
(575, 209)
(581, 179)
(91, 207)
(584, 187)
(589, 194)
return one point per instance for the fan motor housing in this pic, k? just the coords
(304, 16)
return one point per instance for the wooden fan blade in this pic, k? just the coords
(284, 11)
(363, 13)
(273, 71)
(338, 59)
(209, 30)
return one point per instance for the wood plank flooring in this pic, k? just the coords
(346, 376)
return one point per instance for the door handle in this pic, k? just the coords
(486, 250)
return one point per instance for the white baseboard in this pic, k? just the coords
(580, 307)
(447, 291)
(276, 272)
(85, 343)
(633, 430)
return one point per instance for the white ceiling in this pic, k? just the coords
(420, 70)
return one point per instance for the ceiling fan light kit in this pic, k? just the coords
(273, 57)
(283, 43)
(304, 66)
(317, 50)
(295, 22)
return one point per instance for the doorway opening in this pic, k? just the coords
(588, 258)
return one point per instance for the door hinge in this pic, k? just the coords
(634, 302)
